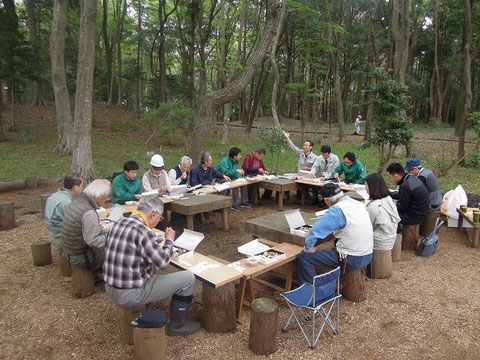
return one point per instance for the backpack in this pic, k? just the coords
(428, 245)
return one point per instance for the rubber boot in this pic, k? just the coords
(178, 314)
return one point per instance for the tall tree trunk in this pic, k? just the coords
(338, 90)
(139, 52)
(215, 99)
(59, 80)
(10, 43)
(82, 155)
(437, 65)
(400, 37)
(122, 11)
(108, 44)
(38, 96)
(464, 109)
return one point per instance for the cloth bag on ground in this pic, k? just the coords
(428, 245)
(452, 200)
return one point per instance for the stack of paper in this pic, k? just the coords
(222, 187)
(252, 248)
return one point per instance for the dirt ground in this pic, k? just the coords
(429, 308)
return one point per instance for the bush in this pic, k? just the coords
(274, 142)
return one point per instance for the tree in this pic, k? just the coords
(215, 99)
(59, 81)
(82, 155)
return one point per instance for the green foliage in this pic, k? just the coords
(474, 122)
(173, 120)
(123, 126)
(274, 142)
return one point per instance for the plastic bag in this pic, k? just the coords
(452, 200)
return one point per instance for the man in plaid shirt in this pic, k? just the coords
(132, 253)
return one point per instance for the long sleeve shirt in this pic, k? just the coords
(323, 166)
(251, 164)
(303, 159)
(147, 186)
(333, 220)
(172, 174)
(199, 175)
(229, 167)
(125, 189)
(132, 253)
(413, 198)
(353, 174)
(93, 233)
(54, 209)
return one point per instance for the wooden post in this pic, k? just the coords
(219, 308)
(225, 218)
(428, 225)
(410, 237)
(43, 181)
(255, 194)
(381, 264)
(82, 281)
(149, 344)
(41, 253)
(397, 249)
(7, 216)
(280, 200)
(43, 201)
(125, 315)
(263, 326)
(63, 265)
(190, 222)
(354, 285)
(31, 182)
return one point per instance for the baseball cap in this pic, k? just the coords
(411, 163)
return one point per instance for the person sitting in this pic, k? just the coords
(412, 195)
(382, 211)
(179, 175)
(306, 159)
(326, 163)
(414, 167)
(204, 173)
(349, 222)
(126, 186)
(354, 170)
(156, 178)
(253, 165)
(130, 282)
(83, 238)
(56, 205)
(229, 166)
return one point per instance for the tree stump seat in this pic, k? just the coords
(7, 215)
(41, 253)
(397, 249)
(125, 315)
(410, 237)
(428, 225)
(82, 281)
(64, 266)
(263, 326)
(354, 285)
(149, 343)
(219, 308)
(381, 265)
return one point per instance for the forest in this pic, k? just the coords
(194, 63)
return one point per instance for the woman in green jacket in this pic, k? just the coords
(353, 169)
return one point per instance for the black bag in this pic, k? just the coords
(428, 245)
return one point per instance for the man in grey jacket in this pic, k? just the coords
(326, 163)
(414, 167)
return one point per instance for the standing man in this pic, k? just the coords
(180, 174)
(358, 121)
(414, 167)
(229, 166)
(156, 178)
(349, 222)
(412, 196)
(326, 163)
(83, 237)
(132, 253)
(126, 186)
(56, 205)
(253, 165)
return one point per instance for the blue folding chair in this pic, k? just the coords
(316, 298)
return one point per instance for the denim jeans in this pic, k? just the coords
(326, 258)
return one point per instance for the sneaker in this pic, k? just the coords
(247, 204)
(236, 207)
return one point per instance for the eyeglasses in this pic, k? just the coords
(157, 168)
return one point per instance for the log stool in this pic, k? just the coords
(31, 182)
(410, 237)
(43, 181)
(125, 315)
(41, 253)
(354, 285)
(7, 216)
(428, 225)
(63, 265)
(219, 308)
(397, 249)
(82, 281)
(263, 326)
(149, 336)
(381, 265)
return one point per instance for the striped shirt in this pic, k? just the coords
(132, 253)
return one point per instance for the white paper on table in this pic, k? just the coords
(222, 187)
(178, 189)
(189, 240)
(116, 213)
(252, 248)
(236, 266)
(153, 193)
(307, 174)
(270, 177)
(363, 194)
(202, 266)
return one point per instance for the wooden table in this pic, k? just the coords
(315, 182)
(253, 271)
(476, 226)
(130, 208)
(280, 186)
(209, 189)
(275, 228)
(191, 205)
